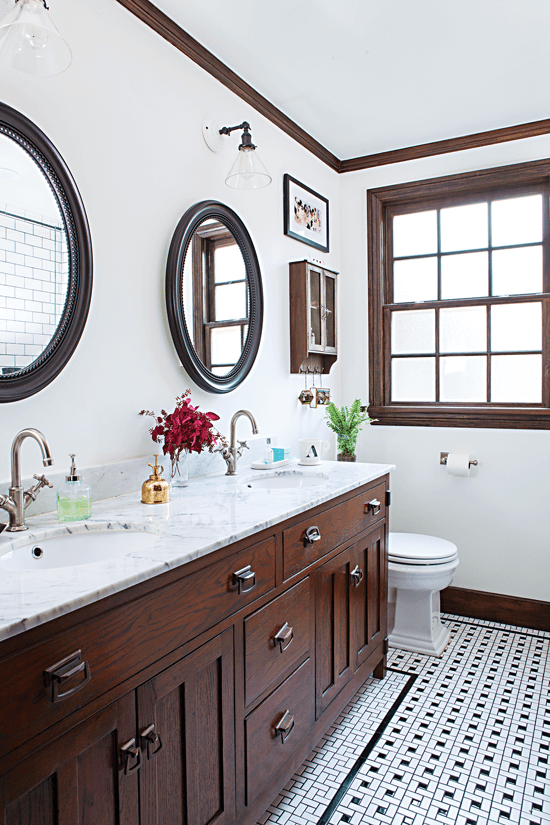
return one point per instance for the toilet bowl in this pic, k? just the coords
(419, 567)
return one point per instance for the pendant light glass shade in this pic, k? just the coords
(30, 42)
(248, 171)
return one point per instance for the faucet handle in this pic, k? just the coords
(243, 444)
(43, 482)
(30, 495)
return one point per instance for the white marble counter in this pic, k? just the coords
(212, 512)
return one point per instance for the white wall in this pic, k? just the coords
(127, 118)
(499, 517)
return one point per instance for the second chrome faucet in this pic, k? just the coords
(232, 453)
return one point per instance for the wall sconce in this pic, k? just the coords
(248, 171)
(30, 42)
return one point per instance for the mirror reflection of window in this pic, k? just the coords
(216, 297)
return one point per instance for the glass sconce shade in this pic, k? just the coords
(30, 42)
(248, 171)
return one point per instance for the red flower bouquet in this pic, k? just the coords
(184, 429)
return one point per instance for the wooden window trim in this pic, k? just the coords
(382, 203)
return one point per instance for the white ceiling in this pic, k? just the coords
(367, 76)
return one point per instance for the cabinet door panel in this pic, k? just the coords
(369, 618)
(333, 623)
(78, 778)
(192, 778)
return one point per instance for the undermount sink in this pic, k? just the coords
(78, 547)
(282, 481)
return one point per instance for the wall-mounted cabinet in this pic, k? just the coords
(313, 317)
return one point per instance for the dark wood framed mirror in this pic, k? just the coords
(214, 296)
(45, 260)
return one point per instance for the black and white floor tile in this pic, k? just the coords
(462, 739)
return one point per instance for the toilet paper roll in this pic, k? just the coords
(458, 464)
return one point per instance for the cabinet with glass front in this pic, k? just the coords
(313, 317)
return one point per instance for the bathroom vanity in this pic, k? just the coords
(187, 683)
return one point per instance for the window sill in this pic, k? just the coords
(512, 418)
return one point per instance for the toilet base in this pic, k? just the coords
(431, 647)
(417, 625)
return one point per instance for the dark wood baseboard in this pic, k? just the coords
(494, 607)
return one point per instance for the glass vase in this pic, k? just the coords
(346, 448)
(179, 470)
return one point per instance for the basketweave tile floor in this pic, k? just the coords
(461, 739)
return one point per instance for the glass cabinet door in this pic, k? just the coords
(328, 313)
(315, 292)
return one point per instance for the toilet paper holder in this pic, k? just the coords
(443, 459)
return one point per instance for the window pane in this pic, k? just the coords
(516, 327)
(413, 331)
(517, 220)
(228, 264)
(463, 329)
(413, 379)
(464, 227)
(465, 276)
(516, 379)
(517, 271)
(415, 234)
(231, 302)
(225, 345)
(415, 280)
(463, 378)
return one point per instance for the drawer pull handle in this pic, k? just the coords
(244, 580)
(284, 726)
(284, 637)
(357, 575)
(56, 675)
(130, 751)
(312, 534)
(373, 507)
(153, 742)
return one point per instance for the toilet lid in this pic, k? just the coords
(414, 548)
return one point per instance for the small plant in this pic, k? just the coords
(347, 423)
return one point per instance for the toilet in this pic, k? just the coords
(419, 567)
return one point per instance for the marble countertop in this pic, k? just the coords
(212, 512)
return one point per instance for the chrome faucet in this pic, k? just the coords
(18, 500)
(231, 454)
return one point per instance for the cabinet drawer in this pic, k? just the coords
(266, 750)
(266, 658)
(123, 641)
(335, 526)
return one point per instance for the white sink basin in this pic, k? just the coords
(71, 549)
(282, 481)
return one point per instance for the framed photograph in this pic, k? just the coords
(322, 397)
(305, 214)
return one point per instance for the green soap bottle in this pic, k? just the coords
(74, 499)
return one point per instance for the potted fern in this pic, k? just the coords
(346, 423)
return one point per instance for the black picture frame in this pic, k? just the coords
(312, 200)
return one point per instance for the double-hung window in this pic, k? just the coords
(458, 300)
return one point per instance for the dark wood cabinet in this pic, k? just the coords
(313, 317)
(201, 695)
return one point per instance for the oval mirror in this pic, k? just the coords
(214, 296)
(45, 259)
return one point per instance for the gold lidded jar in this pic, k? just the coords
(156, 490)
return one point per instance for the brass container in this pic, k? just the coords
(156, 490)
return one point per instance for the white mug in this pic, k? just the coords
(311, 450)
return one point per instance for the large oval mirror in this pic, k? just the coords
(214, 296)
(45, 259)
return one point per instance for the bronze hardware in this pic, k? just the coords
(388, 498)
(284, 726)
(56, 675)
(357, 575)
(284, 637)
(244, 580)
(153, 740)
(373, 507)
(312, 534)
(130, 751)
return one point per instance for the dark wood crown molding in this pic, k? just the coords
(170, 31)
(153, 17)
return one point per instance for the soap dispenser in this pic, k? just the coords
(155, 490)
(74, 499)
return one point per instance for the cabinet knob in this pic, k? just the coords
(373, 507)
(57, 675)
(284, 637)
(152, 741)
(244, 580)
(284, 726)
(357, 575)
(312, 534)
(130, 752)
